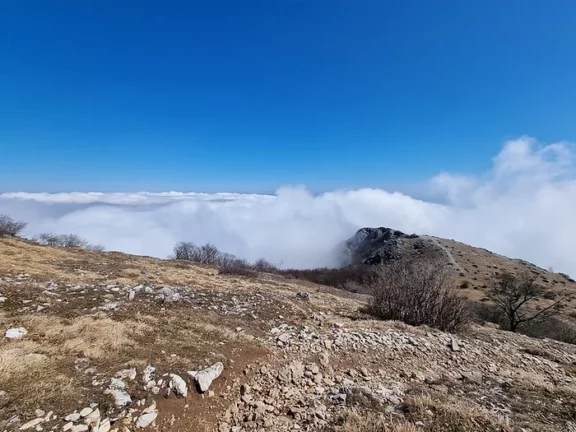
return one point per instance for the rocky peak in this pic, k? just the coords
(375, 245)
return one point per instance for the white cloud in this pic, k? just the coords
(525, 207)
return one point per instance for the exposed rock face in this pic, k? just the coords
(376, 245)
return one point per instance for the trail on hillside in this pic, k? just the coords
(446, 251)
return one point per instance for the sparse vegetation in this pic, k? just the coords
(356, 279)
(514, 296)
(565, 276)
(9, 227)
(418, 293)
(67, 241)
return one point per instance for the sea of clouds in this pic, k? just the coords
(523, 207)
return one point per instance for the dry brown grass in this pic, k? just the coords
(88, 336)
(448, 414)
(451, 414)
(373, 422)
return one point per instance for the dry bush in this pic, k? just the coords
(265, 266)
(9, 227)
(66, 241)
(238, 268)
(418, 293)
(352, 278)
(551, 328)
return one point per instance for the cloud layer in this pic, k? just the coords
(524, 206)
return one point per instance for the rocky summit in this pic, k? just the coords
(96, 341)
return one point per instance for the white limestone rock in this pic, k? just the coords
(178, 385)
(16, 333)
(205, 377)
(146, 419)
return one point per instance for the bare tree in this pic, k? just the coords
(209, 254)
(513, 297)
(418, 293)
(264, 265)
(186, 251)
(9, 227)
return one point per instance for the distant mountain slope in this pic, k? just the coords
(474, 267)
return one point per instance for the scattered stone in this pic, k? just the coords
(205, 377)
(72, 417)
(472, 376)
(127, 373)
(178, 385)
(148, 373)
(146, 419)
(454, 344)
(104, 425)
(93, 418)
(85, 412)
(31, 424)
(121, 397)
(16, 333)
(303, 296)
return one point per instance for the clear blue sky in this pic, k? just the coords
(250, 95)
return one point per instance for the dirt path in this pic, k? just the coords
(446, 251)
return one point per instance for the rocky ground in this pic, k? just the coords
(105, 341)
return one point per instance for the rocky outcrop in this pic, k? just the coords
(376, 245)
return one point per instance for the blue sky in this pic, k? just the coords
(250, 95)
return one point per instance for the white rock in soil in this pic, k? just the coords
(116, 383)
(31, 424)
(205, 377)
(131, 295)
(93, 418)
(39, 413)
(72, 417)
(86, 411)
(146, 419)
(3, 299)
(79, 428)
(149, 409)
(16, 333)
(104, 426)
(178, 385)
(67, 426)
(121, 397)
(148, 373)
(127, 373)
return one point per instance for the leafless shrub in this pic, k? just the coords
(265, 266)
(66, 241)
(239, 268)
(9, 227)
(551, 328)
(351, 278)
(418, 293)
(513, 296)
(568, 278)
(210, 255)
(206, 254)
